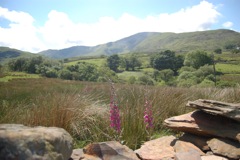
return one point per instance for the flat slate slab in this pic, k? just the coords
(229, 110)
(204, 124)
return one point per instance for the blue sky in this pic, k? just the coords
(36, 25)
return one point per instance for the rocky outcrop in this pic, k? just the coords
(21, 142)
(204, 124)
(214, 128)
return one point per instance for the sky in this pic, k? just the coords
(37, 25)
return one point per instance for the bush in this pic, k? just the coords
(206, 83)
(146, 80)
(131, 80)
(197, 59)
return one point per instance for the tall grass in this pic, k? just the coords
(82, 108)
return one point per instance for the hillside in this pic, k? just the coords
(8, 53)
(149, 42)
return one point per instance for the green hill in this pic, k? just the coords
(8, 53)
(149, 42)
(204, 40)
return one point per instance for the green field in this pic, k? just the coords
(18, 75)
(97, 61)
(127, 74)
(229, 57)
(228, 68)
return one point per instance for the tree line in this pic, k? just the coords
(169, 68)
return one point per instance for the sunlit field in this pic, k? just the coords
(82, 108)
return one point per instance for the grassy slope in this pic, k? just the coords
(8, 53)
(155, 42)
(204, 40)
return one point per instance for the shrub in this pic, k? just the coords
(146, 80)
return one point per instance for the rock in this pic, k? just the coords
(22, 142)
(199, 141)
(229, 110)
(158, 149)
(225, 147)
(189, 155)
(77, 154)
(111, 150)
(182, 146)
(213, 157)
(203, 124)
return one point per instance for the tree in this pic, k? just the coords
(87, 72)
(83, 71)
(166, 60)
(197, 59)
(65, 74)
(32, 63)
(166, 74)
(105, 73)
(18, 64)
(131, 61)
(125, 63)
(218, 51)
(187, 79)
(134, 62)
(113, 62)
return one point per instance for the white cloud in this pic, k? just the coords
(21, 33)
(227, 24)
(60, 32)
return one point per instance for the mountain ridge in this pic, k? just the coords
(154, 42)
(7, 53)
(143, 42)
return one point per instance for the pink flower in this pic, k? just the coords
(148, 117)
(114, 111)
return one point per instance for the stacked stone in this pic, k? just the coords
(214, 128)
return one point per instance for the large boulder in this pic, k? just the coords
(182, 146)
(161, 148)
(189, 155)
(229, 110)
(212, 157)
(199, 141)
(21, 142)
(110, 150)
(203, 124)
(225, 147)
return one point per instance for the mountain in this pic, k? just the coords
(121, 46)
(149, 42)
(8, 53)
